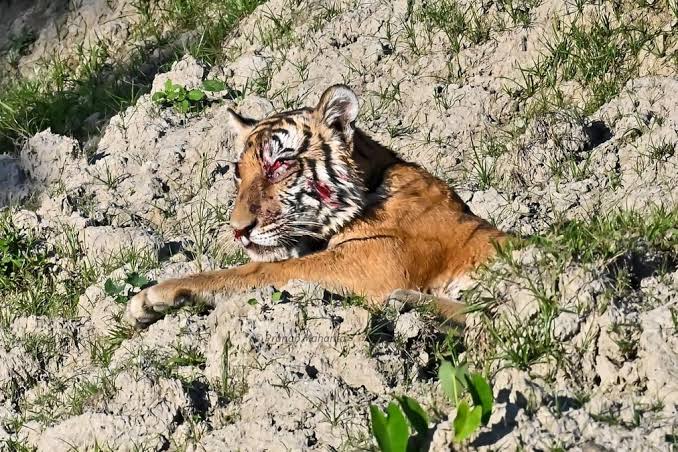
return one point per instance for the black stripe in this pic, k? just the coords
(311, 165)
(304, 145)
(327, 150)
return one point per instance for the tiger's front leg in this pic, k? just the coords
(149, 305)
(347, 268)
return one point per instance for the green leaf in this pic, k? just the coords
(276, 296)
(172, 95)
(390, 431)
(158, 97)
(213, 85)
(481, 392)
(415, 414)
(396, 426)
(452, 380)
(196, 95)
(137, 280)
(252, 301)
(379, 428)
(111, 288)
(168, 85)
(466, 422)
(183, 106)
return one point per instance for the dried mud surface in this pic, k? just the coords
(300, 372)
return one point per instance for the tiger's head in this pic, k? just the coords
(297, 182)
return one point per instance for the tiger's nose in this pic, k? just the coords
(240, 231)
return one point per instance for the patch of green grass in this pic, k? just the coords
(611, 244)
(65, 398)
(65, 94)
(276, 31)
(22, 255)
(103, 348)
(17, 446)
(185, 356)
(661, 151)
(599, 52)
(45, 277)
(605, 237)
(70, 89)
(482, 171)
(526, 343)
(209, 22)
(462, 25)
(29, 271)
(519, 10)
(674, 319)
(19, 45)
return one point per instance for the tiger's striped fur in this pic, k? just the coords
(319, 200)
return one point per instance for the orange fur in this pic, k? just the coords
(414, 233)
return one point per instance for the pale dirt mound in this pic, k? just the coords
(269, 372)
(37, 31)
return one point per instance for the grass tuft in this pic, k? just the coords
(72, 94)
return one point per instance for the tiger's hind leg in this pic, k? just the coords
(453, 312)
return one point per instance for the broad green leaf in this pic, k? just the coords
(415, 414)
(276, 296)
(391, 431)
(448, 381)
(397, 429)
(252, 301)
(158, 97)
(168, 85)
(481, 392)
(137, 280)
(379, 428)
(213, 85)
(466, 422)
(111, 288)
(172, 95)
(196, 95)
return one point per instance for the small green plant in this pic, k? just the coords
(392, 429)
(123, 291)
(456, 380)
(18, 256)
(184, 100)
(102, 348)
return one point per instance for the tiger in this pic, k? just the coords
(318, 200)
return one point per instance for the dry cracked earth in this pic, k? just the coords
(576, 361)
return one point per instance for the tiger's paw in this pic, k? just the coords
(150, 304)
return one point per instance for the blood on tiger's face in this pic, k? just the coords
(297, 184)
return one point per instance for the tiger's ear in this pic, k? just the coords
(338, 107)
(240, 127)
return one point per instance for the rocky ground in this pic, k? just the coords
(577, 327)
